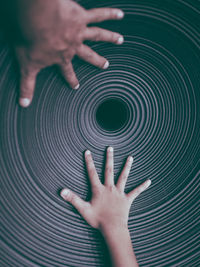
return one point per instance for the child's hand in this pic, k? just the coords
(109, 206)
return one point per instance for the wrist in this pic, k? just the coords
(113, 223)
(119, 244)
(110, 230)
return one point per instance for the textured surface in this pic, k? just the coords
(156, 73)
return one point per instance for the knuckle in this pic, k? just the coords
(63, 70)
(28, 73)
(70, 72)
(114, 37)
(69, 196)
(110, 188)
(24, 91)
(25, 72)
(79, 38)
(97, 189)
(77, 10)
(109, 170)
(67, 54)
(108, 12)
(136, 191)
(90, 163)
(81, 34)
(72, 198)
(89, 55)
(89, 159)
(141, 188)
(97, 34)
(112, 13)
(90, 166)
(92, 172)
(128, 163)
(97, 37)
(124, 175)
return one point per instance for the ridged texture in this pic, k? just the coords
(156, 72)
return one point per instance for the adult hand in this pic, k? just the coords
(109, 206)
(54, 32)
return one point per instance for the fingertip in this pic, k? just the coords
(130, 159)
(120, 40)
(106, 65)
(87, 153)
(148, 182)
(119, 14)
(110, 149)
(77, 86)
(24, 102)
(64, 193)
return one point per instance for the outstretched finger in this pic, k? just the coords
(87, 54)
(138, 190)
(27, 86)
(109, 175)
(124, 174)
(75, 200)
(92, 173)
(69, 74)
(98, 34)
(100, 14)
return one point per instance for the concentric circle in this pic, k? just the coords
(112, 114)
(154, 79)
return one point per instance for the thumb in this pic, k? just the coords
(138, 190)
(75, 200)
(27, 86)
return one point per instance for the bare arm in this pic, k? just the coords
(109, 208)
(120, 246)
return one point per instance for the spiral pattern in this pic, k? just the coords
(156, 74)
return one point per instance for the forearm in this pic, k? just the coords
(120, 246)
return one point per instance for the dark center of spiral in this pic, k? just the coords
(112, 114)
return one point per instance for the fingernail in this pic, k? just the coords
(120, 40)
(106, 65)
(148, 182)
(120, 14)
(77, 86)
(110, 149)
(64, 193)
(24, 102)
(130, 158)
(87, 152)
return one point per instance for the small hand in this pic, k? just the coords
(54, 32)
(109, 205)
